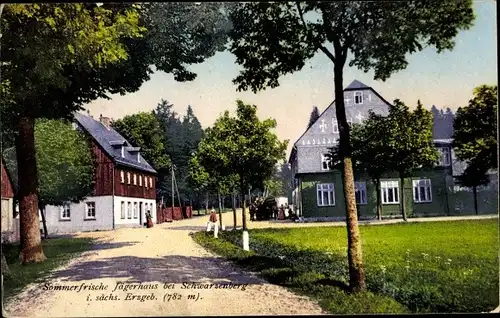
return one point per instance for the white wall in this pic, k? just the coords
(8, 224)
(147, 204)
(78, 222)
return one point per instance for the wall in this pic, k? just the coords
(141, 217)
(443, 198)
(7, 191)
(77, 223)
(130, 190)
(8, 221)
(103, 174)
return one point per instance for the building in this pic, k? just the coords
(318, 192)
(124, 188)
(10, 230)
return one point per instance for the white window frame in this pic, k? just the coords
(445, 157)
(150, 182)
(122, 210)
(140, 180)
(129, 210)
(324, 159)
(128, 177)
(122, 176)
(135, 210)
(135, 179)
(424, 184)
(360, 187)
(335, 125)
(329, 189)
(65, 212)
(385, 186)
(360, 95)
(90, 207)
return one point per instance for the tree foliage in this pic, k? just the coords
(64, 163)
(143, 130)
(242, 145)
(475, 129)
(313, 117)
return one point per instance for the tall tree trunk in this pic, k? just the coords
(474, 191)
(379, 199)
(403, 197)
(206, 204)
(44, 222)
(234, 210)
(355, 255)
(220, 209)
(31, 242)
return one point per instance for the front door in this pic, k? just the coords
(140, 214)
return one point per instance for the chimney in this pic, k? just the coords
(105, 121)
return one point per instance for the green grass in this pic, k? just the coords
(58, 251)
(449, 266)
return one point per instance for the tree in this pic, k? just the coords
(99, 50)
(245, 146)
(39, 42)
(475, 138)
(313, 117)
(475, 128)
(64, 163)
(272, 39)
(143, 130)
(409, 142)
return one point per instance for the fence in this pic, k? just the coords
(165, 214)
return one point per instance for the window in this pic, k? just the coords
(90, 210)
(150, 182)
(140, 181)
(325, 162)
(422, 191)
(65, 211)
(390, 192)
(325, 194)
(360, 192)
(445, 159)
(146, 181)
(128, 177)
(135, 210)
(123, 210)
(122, 176)
(135, 179)
(140, 209)
(358, 97)
(129, 210)
(335, 125)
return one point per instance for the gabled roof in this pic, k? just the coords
(111, 143)
(355, 85)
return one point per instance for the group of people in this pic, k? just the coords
(277, 213)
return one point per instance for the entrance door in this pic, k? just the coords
(140, 213)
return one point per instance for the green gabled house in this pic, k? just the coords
(318, 192)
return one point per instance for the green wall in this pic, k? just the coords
(445, 201)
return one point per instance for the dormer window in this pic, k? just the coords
(325, 162)
(445, 156)
(123, 152)
(138, 157)
(358, 98)
(349, 121)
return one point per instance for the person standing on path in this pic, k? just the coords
(212, 220)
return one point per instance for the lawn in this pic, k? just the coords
(449, 266)
(58, 251)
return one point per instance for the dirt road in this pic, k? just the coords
(162, 257)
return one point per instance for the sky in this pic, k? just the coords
(445, 80)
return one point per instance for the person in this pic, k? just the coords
(281, 213)
(287, 211)
(252, 212)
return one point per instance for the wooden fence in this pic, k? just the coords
(165, 214)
